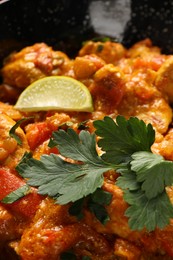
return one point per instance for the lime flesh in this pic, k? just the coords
(55, 93)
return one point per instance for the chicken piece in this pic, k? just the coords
(142, 48)
(53, 231)
(164, 146)
(10, 111)
(164, 79)
(128, 88)
(32, 63)
(86, 66)
(127, 250)
(150, 61)
(158, 113)
(107, 88)
(110, 52)
(143, 100)
(10, 152)
(144, 55)
(8, 226)
(141, 97)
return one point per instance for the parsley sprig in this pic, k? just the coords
(62, 180)
(126, 146)
(144, 175)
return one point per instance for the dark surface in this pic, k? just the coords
(65, 24)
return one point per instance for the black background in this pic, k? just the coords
(65, 24)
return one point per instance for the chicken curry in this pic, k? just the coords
(135, 82)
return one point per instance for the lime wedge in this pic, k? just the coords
(55, 93)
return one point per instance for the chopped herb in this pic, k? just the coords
(12, 131)
(65, 125)
(100, 47)
(100, 39)
(126, 146)
(17, 194)
(82, 125)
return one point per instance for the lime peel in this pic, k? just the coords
(55, 93)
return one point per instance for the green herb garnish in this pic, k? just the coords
(100, 47)
(12, 131)
(122, 139)
(67, 182)
(76, 209)
(17, 194)
(99, 39)
(65, 125)
(126, 147)
(96, 203)
(83, 126)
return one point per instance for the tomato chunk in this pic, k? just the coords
(37, 133)
(24, 207)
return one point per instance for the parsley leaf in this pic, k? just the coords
(144, 175)
(128, 181)
(76, 209)
(101, 197)
(150, 214)
(153, 171)
(62, 180)
(82, 125)
(96, 204)
(121, 139)
(80, 147)
(99, 211)
(144, 189)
